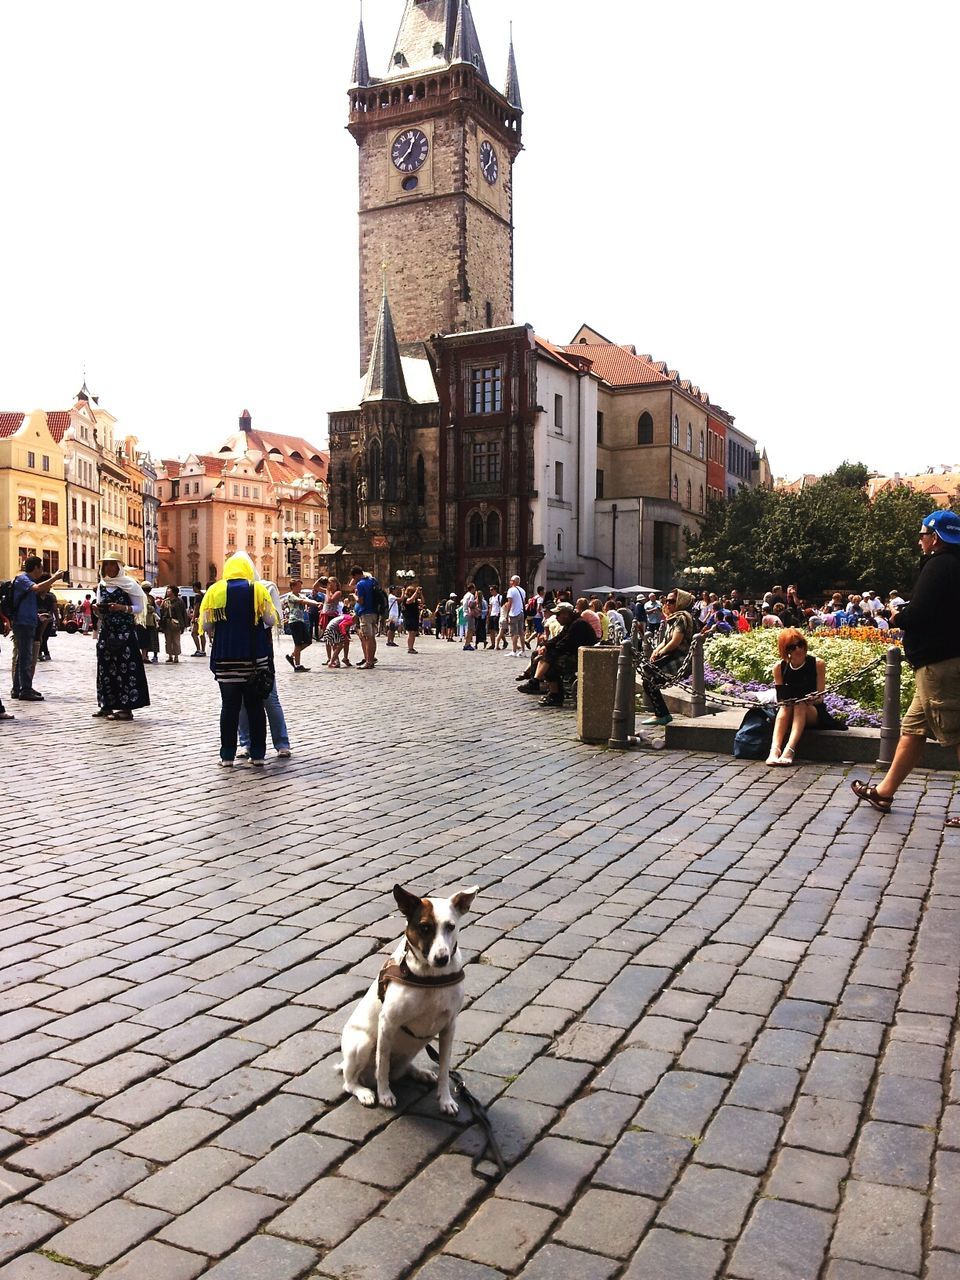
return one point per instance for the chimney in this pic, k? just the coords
(245, 420)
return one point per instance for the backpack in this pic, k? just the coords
(380, 602)
(753, 739)
(8, 603)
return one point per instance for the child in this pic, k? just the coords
(337, 636)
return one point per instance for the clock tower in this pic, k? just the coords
(437, 147)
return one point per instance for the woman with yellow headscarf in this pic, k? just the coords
(237, 613)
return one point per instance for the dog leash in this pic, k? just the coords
(480, 1116)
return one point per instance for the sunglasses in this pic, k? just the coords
(791, 647)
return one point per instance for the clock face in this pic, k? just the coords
(489, 164)
(409, 150)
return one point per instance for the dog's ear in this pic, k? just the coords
(408, 902)
(463, 901)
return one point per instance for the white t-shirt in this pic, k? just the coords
(494, 606)
(467, 601)
(515, 601)
(394, 611)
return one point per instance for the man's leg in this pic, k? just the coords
(905, 759)
(23, 658)
(231, 700)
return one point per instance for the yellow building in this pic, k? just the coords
(129, 460)
(33, 493)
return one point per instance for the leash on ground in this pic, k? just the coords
(681, 679)
(481, 1117)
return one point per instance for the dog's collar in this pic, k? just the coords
(402, 973)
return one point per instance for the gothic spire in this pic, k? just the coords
(512, 91)
(466, 42)
(384, 380)
(361, 69)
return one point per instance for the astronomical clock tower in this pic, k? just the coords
(437, 147)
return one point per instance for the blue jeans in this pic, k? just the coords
(278, 726)
(235, 698)
(23, 637)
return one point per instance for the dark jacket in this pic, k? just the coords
(931, 621)
(579, 635)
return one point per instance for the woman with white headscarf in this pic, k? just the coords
(121, 680)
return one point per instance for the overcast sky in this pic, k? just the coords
(763, 195)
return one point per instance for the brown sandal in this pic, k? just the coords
(864, 791)
(952, 822)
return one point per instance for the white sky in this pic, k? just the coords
(762, 194)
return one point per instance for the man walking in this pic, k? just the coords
(364, 588)
(514, 605)
(931, 644)
(27, 586)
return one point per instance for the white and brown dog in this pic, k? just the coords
(415, 999)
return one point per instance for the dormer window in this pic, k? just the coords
(437, 49)
(399, 60)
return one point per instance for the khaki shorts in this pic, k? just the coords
(935, 709)
(368, 625)
(516, 624)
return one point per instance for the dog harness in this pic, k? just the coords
(402, 973)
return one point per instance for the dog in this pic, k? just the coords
(415, 998)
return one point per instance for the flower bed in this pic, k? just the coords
(742, 666)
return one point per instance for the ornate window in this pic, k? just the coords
(27, 510)
(475, 530)
(493, 529)
(486, 389)
(645, 429)
(50, 512)
(485, 462)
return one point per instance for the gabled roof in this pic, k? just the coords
(10, 424)
(557, 354)
(618, 366)
(58, 420)
(433, 34)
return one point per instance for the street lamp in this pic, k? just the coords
(405, 573)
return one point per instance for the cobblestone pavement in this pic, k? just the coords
(712, 1004)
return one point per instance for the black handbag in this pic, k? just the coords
(754, 738)
(262, 679)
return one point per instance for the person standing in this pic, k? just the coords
(931, 644)
(28, 585)
(299, 624)
(150, 640)
(413, 605)
(237, 613)
(470, 608)
(86, 616)
(279, 734)
(364, 587)
(196, 631)
(173, 622)
(121, 679)
(393, 617)
(46, 626)
(514, 606)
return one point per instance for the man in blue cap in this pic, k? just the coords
(931, 644)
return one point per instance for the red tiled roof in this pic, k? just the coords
(556, 353)
(617, 366)
(57, 421)
(10, 424)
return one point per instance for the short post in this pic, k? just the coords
(698, 692)
(890, 724)
(624, 706)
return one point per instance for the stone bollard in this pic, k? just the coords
(624, 711)
(698, 687)
(890, 724)
(596, 685)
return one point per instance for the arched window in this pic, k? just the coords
(676, 489)
(421, 482)
(701, 444)
(391, 469)
(373, 491)
(645, 429)
(675, 430)
(689, 437)
(493, 529)
(689, 496)
(475, 530)
(701, 499)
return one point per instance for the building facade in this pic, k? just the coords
(33, 493)
(82, 470)
(151, 518)
(130, 461)
(716, 454)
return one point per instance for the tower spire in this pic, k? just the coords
(512, 91)
(384, 380)
(361, 68)
(466, 42)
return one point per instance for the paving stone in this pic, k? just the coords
(711, 1056)
(897, 1155)
(34, 1266)
(945, 1226)
(781, 1242)
(219, 1223)
(799, 1015)
(644, 1163)
(730, 1027)
(740, 1139)
(682, 1103)
(68, 1147)
(14, 1185)
(824, 1124)
(549, 1081)
(265, 1256)
(809, 1177)
(709, 1202)
(506, 1054)
(22, 1226)
(143, 1102)
(942, 1266)
(156, 1261)
(108, 1231)
(189, 1180)
(553, 1260)
(844, 1076)
(381, 1249)
(293, 1166)
(880, 1225)
(633, 1071)
(502, 1233)
(668, 1255)
(764, 1088)
(263, 1128)
(449, 1268)
(597, 1117)
(102, 1177)
(586, 1042)
(213, 1062)
(551, 1173)
(784, 1048)
(439, 1194)
(47, 1110)
(394, 1155)
(607, 1222)
(328, 1211)
(906, 1101)
(854, 1037)
(173, 1135)
(627, 996)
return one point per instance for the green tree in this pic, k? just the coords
(885, 549)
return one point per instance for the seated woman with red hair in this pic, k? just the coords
(796, 675)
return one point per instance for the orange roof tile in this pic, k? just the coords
(10, 424)
(555, 352)
(57, 421)
(616, 365)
